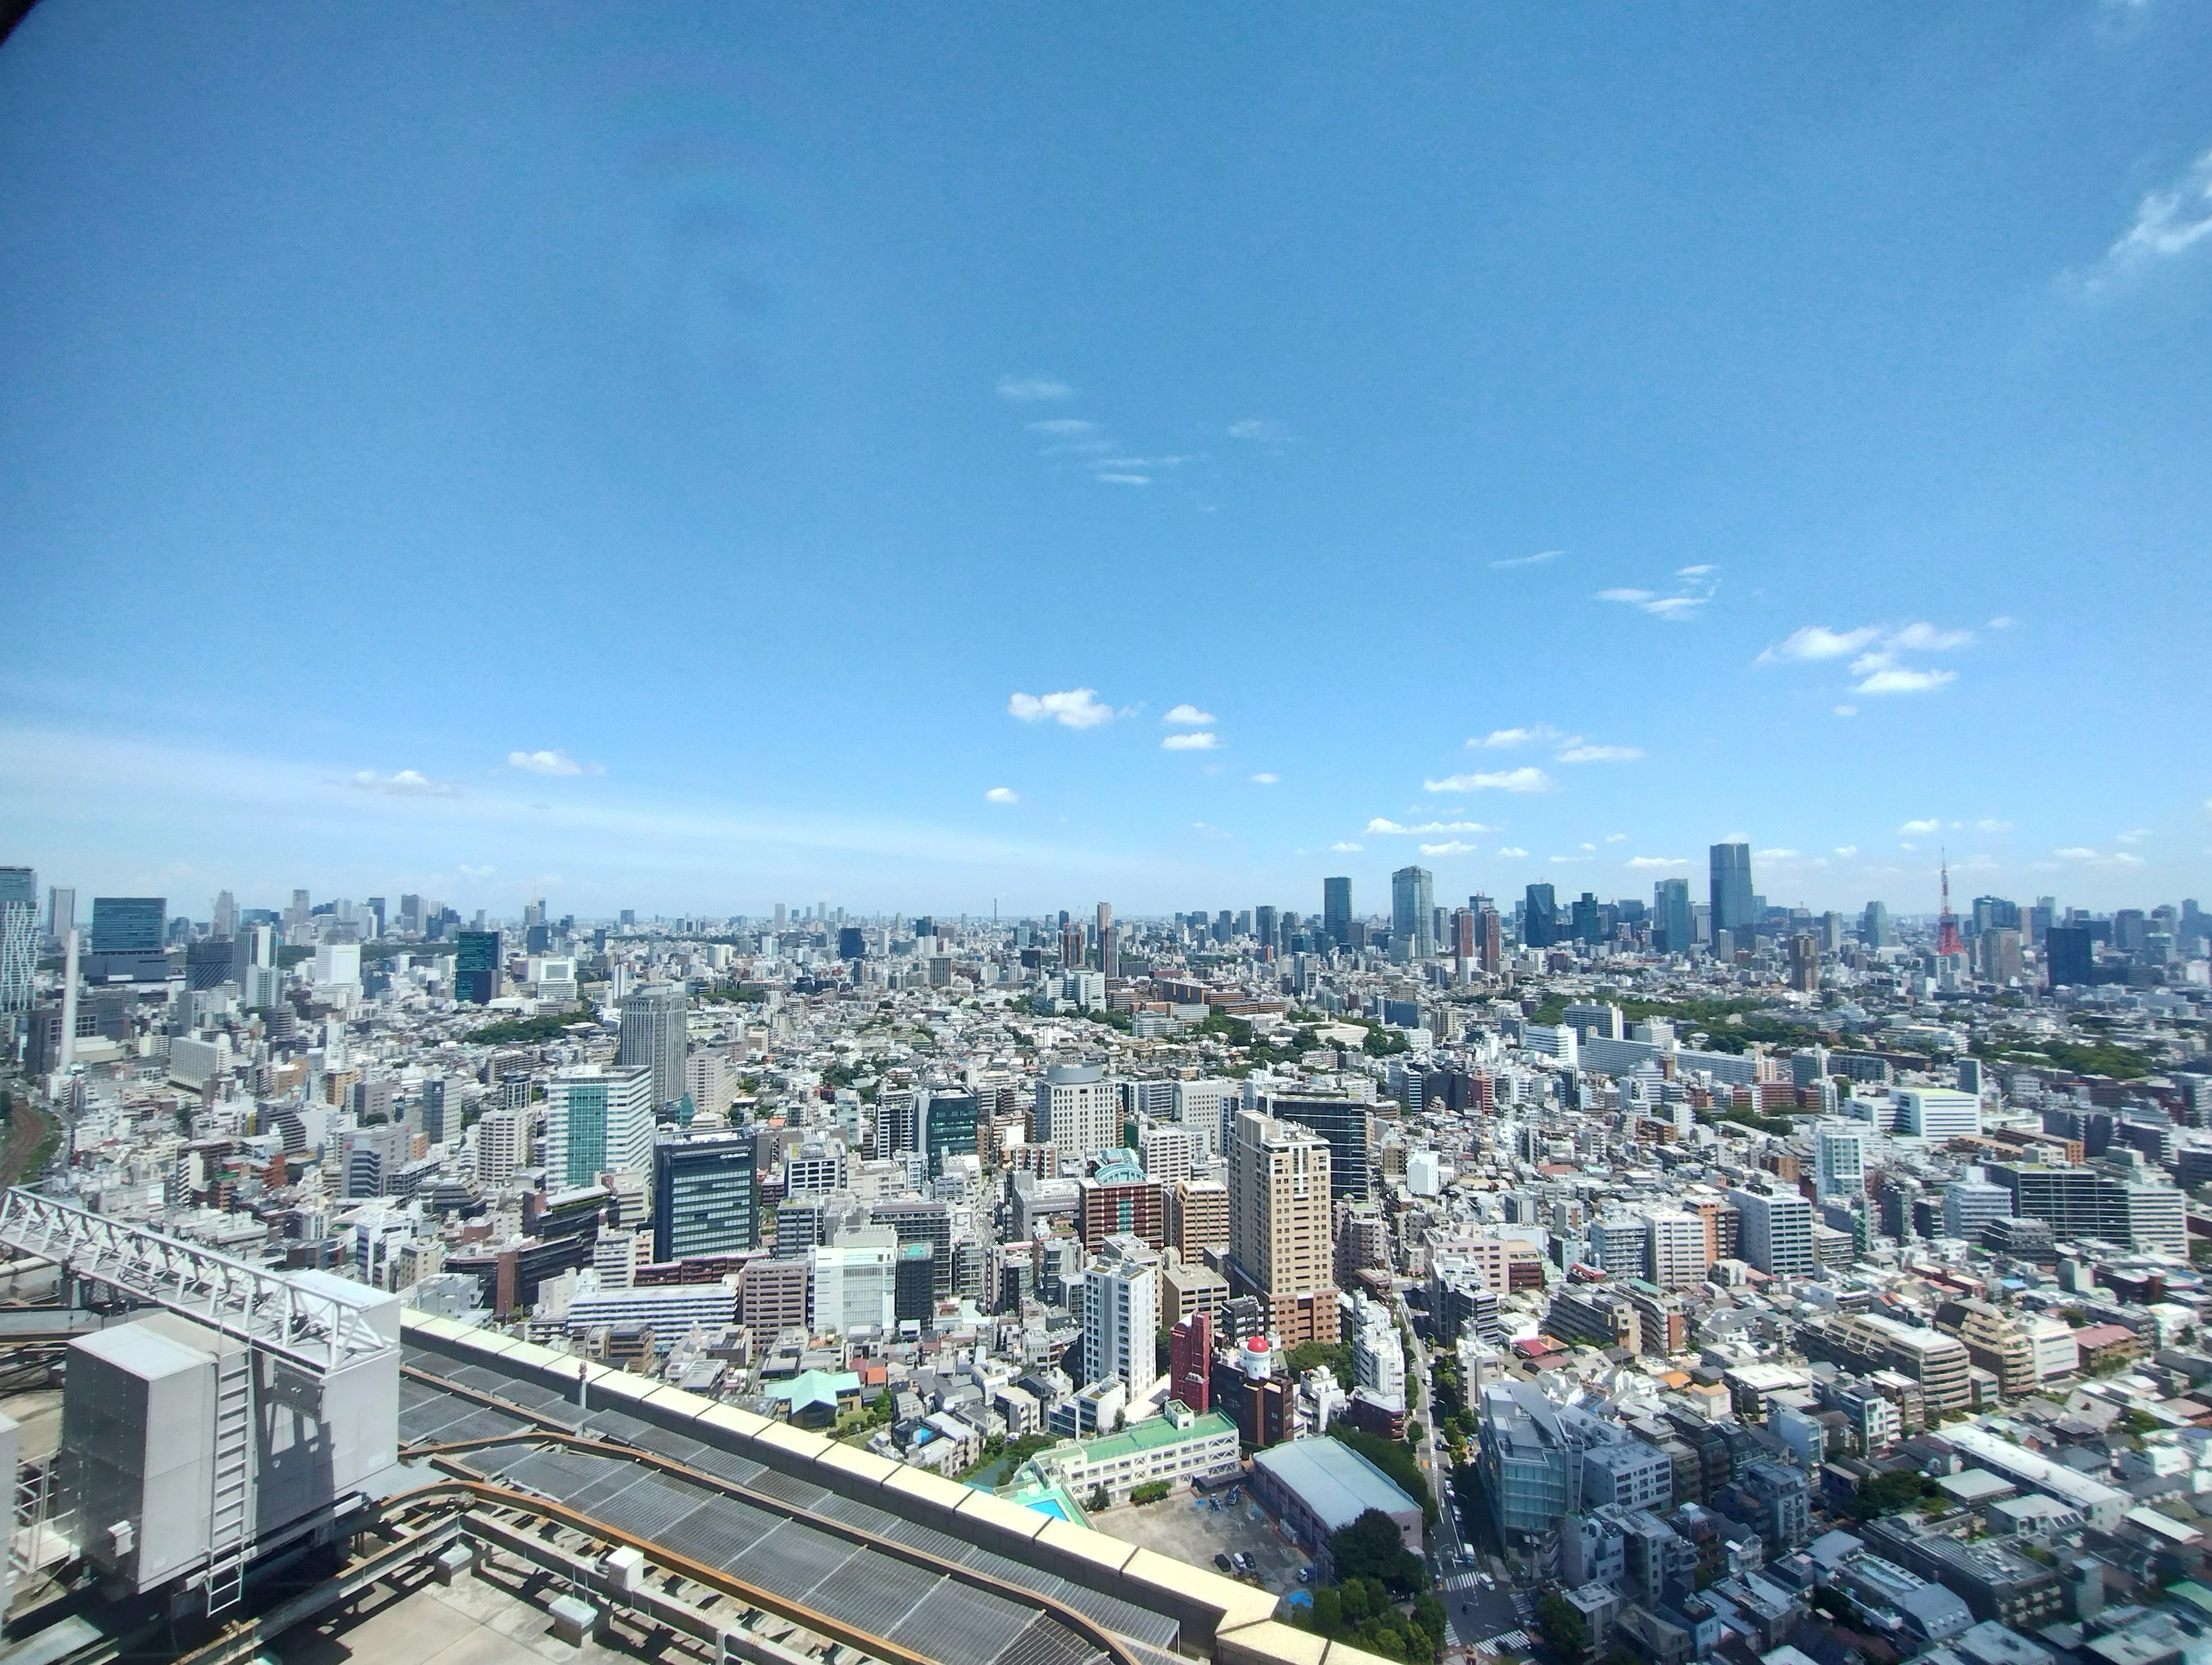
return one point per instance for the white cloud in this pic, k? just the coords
(1695, 586)
(546, 762)
(1847, 711)
(1524, 778)
(1343, 847)
(1654, 864)
(1065, 428)
(1379, 825)
(2003, 622)
(1071, 707)
(1847, 851)
(2169, 223)
(1920, 829)
(1616, 838)
(1512, 849)
(1895, 679)
(1123, 479)
(1188, 716)
(1258, 430)
(1926, 638)
(1817, 641)
(1568, 861)
(1029, 390)
(2133, 836)
(1775, 855)
(1595, 754)
(1265, 779)
(1002, 795)
(1536, 560)
(1506, 737)
(1203, 740)
(1992, 825)
(1451, 848)
(2075, 853)
(404, 783)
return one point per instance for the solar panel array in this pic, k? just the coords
(931, 1613)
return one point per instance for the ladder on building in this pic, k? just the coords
(230, 1524)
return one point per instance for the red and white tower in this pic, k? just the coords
(1947, 928)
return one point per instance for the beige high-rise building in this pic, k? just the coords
(1198, 1217)
(1281, 1244)
(502, 1145)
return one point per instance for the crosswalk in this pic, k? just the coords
(1505, 1641)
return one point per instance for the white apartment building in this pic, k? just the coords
(1676, 1255)
(852, 1283)
(1937, 1113)
(1121, 1313)
(503, 1139)
(1776, 1235)
(1839, 1159)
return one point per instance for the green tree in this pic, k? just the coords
(1560, 1624)
(1372, 1548)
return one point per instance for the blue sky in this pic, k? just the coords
(687, 457)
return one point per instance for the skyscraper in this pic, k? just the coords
(1413, 911)
(2071, 956)
(1540, 922)
(1729, 892)
(1490, 939)
(1265, 929)
(1670, 914)
(19, 937)
(478, 965)
(656, 1036)
(1336, 910)
(61, 911)
(1873, 925)
(1078, 1111)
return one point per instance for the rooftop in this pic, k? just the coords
(1334, 1480)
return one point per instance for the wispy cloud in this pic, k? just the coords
(1113, 479)
(1505, 738)
(1528, 778)
(404, 783)
(1379, 825)
(1266, 778)
(1991, 825)
(1652, 864)
(1002, 795)
(1817, 641)
(1876, 653)
(1536, 560)
(1073, 707)
(1847, 851)
(1920, 829)
(1260, 430)
(2169, 223)
(550, 762)
(1511, 850)
(2133, 836)
(1187, 716)
(1452, 847)
(1063, 428)
(1203, 740)
(1031, 390)
(1692, 588)
(1596, 754)
(1344, 847)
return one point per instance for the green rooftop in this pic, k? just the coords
(1152, 1434)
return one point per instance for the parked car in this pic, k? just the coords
(1224, 1563)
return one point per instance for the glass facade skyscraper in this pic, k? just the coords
(1670, 913)
(1540, 918)
(1413, 911)
(1336, 910)
(478, 963)
(1730, 887)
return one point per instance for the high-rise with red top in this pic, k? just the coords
(1947, 928)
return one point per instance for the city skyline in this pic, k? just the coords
(684, 460)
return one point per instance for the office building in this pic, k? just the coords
(1776, 1232)
(1873, 925)
(656, 1036)
(1197, 1217)
(1413, 911)
(1670, 916)
(852, 1283)
(1121, 1313)
(1336, 910)
(950, 1127)
(597, 1121)
(2070, 955)
(128, 936)
(61, 911)
(479, 967)
(18, 938)
(706, 1195)
(1078, 1111)
(1937, 1114)
(1680, 1253)
(1348, 1125)
(1728, 890)
(1282, 1250)
(1539, 917)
